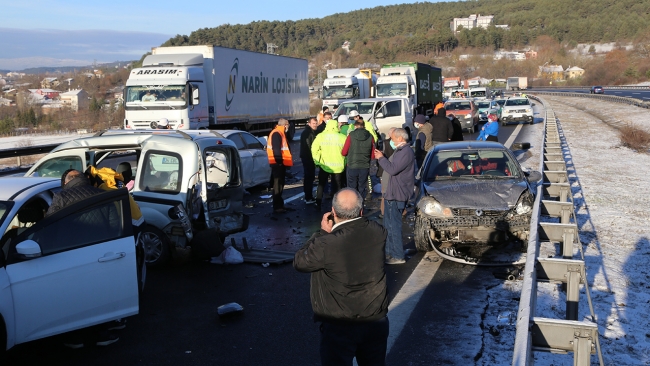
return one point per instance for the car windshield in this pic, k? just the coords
(471, 164)
(361, 107)
(458, 106)
(4, 208)
(500, 102)
(511, 102)
(483, 104)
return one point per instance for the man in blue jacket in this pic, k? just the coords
(401, 182)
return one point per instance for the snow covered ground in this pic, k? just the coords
(611, 192)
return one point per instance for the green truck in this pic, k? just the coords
(421, 83)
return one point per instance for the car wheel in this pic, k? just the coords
(156, 246)
(422, 228)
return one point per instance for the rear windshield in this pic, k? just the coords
(458, 106)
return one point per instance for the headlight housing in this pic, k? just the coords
(431, 207)
(525, 204)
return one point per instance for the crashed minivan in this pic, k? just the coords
(187, 183)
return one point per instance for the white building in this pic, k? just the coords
(75, 99)
(473, 21)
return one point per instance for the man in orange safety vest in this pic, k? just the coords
(279, 155)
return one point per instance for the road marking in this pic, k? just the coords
(294, 197)
(400, 309)
(513, 136)
(636, 93)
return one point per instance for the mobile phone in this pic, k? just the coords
(330, 217)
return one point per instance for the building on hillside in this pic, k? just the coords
(346, 46)
(75, 99)
(10, 93)
(6, 102)
(50, 83)
(508, 55)
(553, 72)
(46, 93)
(473, 21)
(573, 72)
(15, 74)
(531, 55)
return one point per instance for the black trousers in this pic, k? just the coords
(277, 173)
(322, 181)
(492, 138)
(367, 341)
(309, 169)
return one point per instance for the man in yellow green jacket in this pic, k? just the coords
(326, 151)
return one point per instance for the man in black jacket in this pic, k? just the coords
(360, 150)
(348, 283)
(76, 187)
(442, 129)
(309, 168)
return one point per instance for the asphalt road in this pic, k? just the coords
(643, 94)
(178, 322)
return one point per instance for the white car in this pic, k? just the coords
(517, 109)
(254, 159)
(70, 270)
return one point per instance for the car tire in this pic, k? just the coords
(421, 231)
(156, 246)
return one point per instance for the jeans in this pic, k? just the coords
(322, 181)
(358, 179)
(393, 224)
(341, 342)
(309, 169)
(277, 172)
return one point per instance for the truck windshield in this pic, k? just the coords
(390, 90)
(335, 92)
(477, 93)
(155, 93)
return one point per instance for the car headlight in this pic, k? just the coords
(528, 110)
(525, 204)
(431, 207)
(468, 116)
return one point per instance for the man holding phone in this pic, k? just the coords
(348, 283)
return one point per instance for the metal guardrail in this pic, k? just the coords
(545, 334)
(610, 87)
(609, 98)
(27, 150)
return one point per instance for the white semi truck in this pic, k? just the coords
(517, 83)
(199, 87)
(420, 83)
(344, 84)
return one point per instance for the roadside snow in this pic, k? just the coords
(611, 192)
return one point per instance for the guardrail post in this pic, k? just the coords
(567, 271)
(572, 294)
(18, 161)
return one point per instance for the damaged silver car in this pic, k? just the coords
(472, 197)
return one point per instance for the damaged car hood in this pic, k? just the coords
(495, 194)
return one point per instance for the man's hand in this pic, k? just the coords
(378, 154)
(326, 224)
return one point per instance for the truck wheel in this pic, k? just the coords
(156, 246)
(422, 228)
(292, 130)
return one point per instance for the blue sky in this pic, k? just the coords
(72, 32)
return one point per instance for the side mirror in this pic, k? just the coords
(379, 115)
(532, 104)
(195, 96)
(533, 176)
(412, 90)
(28, 249)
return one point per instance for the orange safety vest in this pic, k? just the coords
(286, 153)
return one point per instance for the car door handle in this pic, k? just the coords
(111, 257)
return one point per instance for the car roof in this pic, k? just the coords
(517, 98)
(130, 139)
(11, 187)
(458, 100)
(372, 100)
(465, 145)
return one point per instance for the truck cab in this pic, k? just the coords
(186, 183)
(344, 84)
(167, 86)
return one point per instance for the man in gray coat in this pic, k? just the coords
(401, 182)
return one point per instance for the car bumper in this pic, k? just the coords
(464, 229)
(516, 118)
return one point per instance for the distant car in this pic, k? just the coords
(517, 109)
(597, 90)
(472, 193)
(483, 106)
(71, 270)
(466, 112)
(254, 159)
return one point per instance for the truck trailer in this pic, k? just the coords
(419, 82)
(344, 84)
(200, 87)
(517, 83)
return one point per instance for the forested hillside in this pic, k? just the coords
(382, 33)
